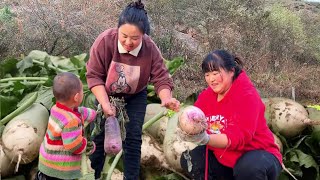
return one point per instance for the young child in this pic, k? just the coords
(63, 144)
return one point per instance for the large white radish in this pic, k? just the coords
(158, 129)
(152, 153)
(314, 114)
(192, 120)
(173, 147)
(153, 159)
(6, 166)
(278, 142)
(286, 116)
(24, 134)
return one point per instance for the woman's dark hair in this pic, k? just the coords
(135, 14)
(65, 86)
(222, 59)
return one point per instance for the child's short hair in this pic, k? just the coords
(65, 86)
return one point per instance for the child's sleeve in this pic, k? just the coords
(72, 137)
(87, 114)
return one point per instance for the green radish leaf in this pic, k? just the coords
(63, 63)
(317, 107)
(24, 64)
(152, 93)
(76, 62)
(169, 177)
(7, 105)
(84, 57)
(119, 166)
(7, 91)
(174, 64)
(45, 97)
(303, 160)
(23, 100)
(1, 130)
(38, 55)
(306, 160)
(49, 82)
(82, 75)
(313, 145)
(8, 66)
(79, 60)
(283, 176)
(89, 101)
(299, 142)
(315, 135)
(18, 86)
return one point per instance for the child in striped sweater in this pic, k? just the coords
(64, 142)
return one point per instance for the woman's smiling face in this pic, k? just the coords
(129, 36)
(219, 81)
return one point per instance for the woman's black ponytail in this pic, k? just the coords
(135, 14)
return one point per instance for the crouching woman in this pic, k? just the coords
(237, 143)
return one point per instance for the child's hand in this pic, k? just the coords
(91, 147)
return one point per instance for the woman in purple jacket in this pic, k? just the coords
(122, 62)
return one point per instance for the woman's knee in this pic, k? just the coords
(257, 164)
(193, 161)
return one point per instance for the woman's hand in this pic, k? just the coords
(171, 103)
(109, 110)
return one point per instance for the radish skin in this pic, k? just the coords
(314, 114)
(112, 139)
(278, 142)
(20, 109)
(192, 120)
(173, 147)
(145, 126)
(286, 116)
(152, 154)
(24, 134)
(6, 166)
(158, 129)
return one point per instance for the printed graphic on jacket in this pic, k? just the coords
(122, 78)
(216, 124)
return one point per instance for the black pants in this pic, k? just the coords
(253, 165)
(136, 108)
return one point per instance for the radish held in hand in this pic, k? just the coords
(192, 120)
(112, 139)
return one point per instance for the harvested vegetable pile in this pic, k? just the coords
(25, 89)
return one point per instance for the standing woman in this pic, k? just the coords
(122, 62)
(237, 143)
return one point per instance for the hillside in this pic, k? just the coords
(278, 40)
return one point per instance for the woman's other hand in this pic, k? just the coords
(171, 103)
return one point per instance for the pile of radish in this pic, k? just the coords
(287, 119)
(22, 137)
(296, 128)
(161, 147)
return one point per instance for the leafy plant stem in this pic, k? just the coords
(50, 66)
(23, 78)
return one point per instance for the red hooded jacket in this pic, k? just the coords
(239, 115)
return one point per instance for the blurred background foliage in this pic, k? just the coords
(277, 40)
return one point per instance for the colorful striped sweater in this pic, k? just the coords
(63, 144)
